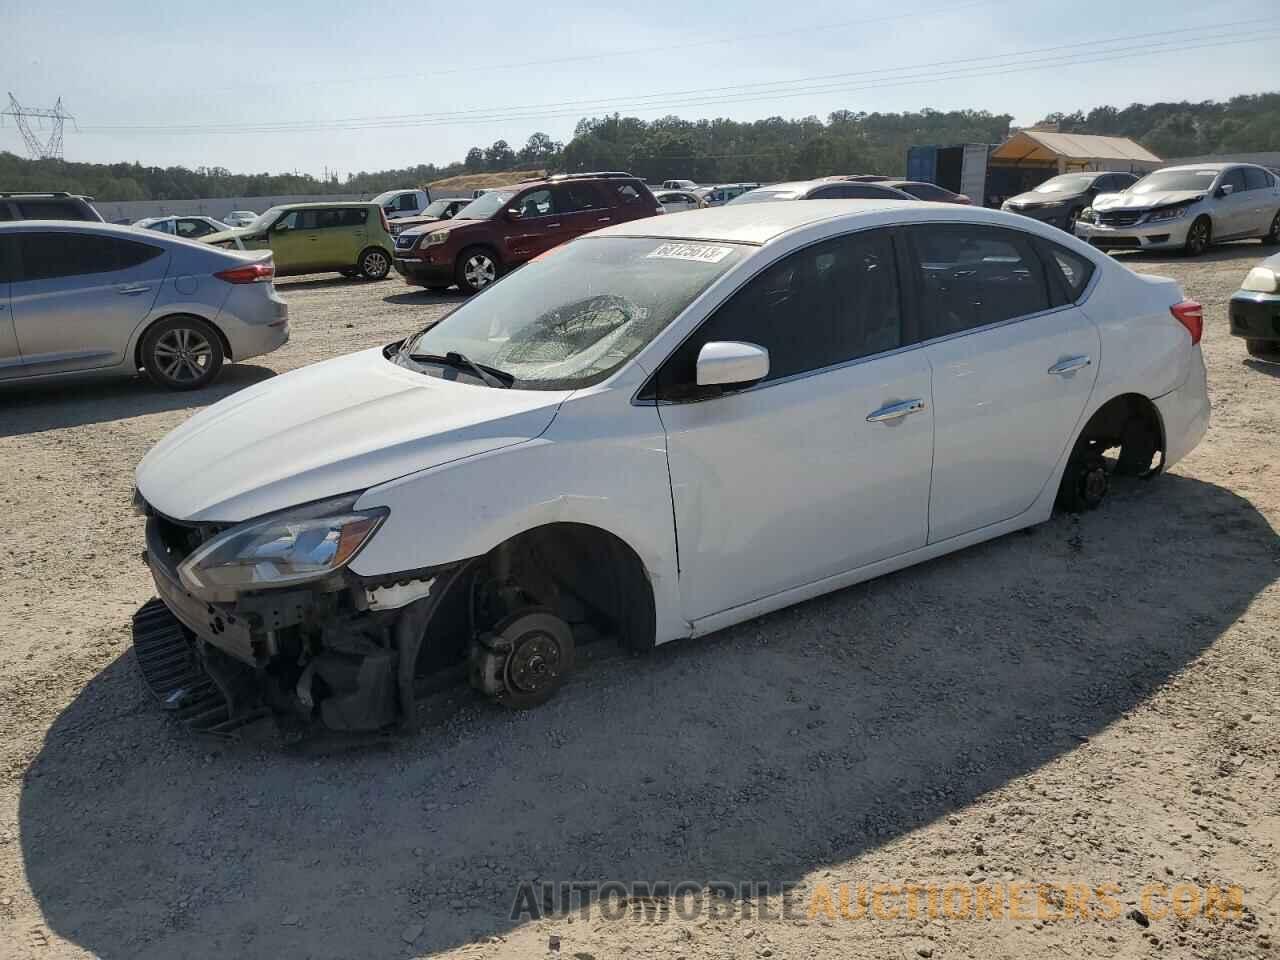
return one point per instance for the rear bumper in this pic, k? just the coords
(255, 320)
(1168, 235)
(1255, 316)
(1184, 413)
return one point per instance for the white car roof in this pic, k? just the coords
(1201, 166)
(759, 223)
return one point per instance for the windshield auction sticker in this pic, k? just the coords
(701, 252)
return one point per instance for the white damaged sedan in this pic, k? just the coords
(653, 432)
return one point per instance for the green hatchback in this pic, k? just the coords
(351, 238)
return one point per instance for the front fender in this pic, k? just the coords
(614, 480)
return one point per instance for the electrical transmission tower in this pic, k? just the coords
(51, 149)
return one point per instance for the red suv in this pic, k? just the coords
(504, 228)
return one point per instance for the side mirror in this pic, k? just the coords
(1224, 190)
(390, 209)
(727, 363)
(513, 213)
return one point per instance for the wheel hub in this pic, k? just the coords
(524, 659)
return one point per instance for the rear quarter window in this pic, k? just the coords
(49, 210)
(1068, 271)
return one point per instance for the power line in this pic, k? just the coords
(664, 48)
(740, 94)
(638, 99)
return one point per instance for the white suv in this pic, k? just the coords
(1187, 208)
(800, 395)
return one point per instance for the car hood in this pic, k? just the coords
(406, 223)
(1039, 199)
(222, 235)
(336, 427)
(454, 224)
(1145, 201)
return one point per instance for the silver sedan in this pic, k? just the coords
(94, 298)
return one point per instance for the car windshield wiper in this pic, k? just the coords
(490, 375)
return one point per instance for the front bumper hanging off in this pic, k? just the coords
(170, 665)
(344, 653)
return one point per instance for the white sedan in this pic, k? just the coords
(655, 431)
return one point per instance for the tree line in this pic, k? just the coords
(708, 151)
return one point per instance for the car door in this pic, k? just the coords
(1262, 208)
(10, 355)
(823, 466)
(1232, 213)
(539, 227)
(584, 207)
(76, 298)
(343, 233)
(295, 242)
(1013, 365)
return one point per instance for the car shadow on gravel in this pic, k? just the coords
(761, 753)
(75, 403)
(1245, 251)
(419, 298)
(1270, 368)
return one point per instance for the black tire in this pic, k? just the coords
(1199, 236)
(182, 353)
(1272, 236)
(374, 263)
(1263, 349)
(476, 268)
(1084, 484)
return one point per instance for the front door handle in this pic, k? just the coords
(1070, 365)
(895, 411)
(552, 226)
(604, 220)
(134, 290)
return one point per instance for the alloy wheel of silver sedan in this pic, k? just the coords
(182, 354)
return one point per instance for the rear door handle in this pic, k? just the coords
(552, 226)
(1070, 365)
(134, 290)
(895, 411)
(604, 220)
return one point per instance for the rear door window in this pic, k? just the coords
(579, 196)
(408, 202)
(48, 256)
(1255, 179)
(49, 210)
(969, 276)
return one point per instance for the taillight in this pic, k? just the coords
(250, 273)
(1191, 315)
(386, 224)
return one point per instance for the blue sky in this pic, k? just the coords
(203, 84)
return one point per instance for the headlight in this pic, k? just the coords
(290, 547)
(1087, 215)
(1168, 213)
(1261, 280)
(435, 238)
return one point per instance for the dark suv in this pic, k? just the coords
(506, 227)
(47, 206)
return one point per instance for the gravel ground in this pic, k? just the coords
(1094, 701)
